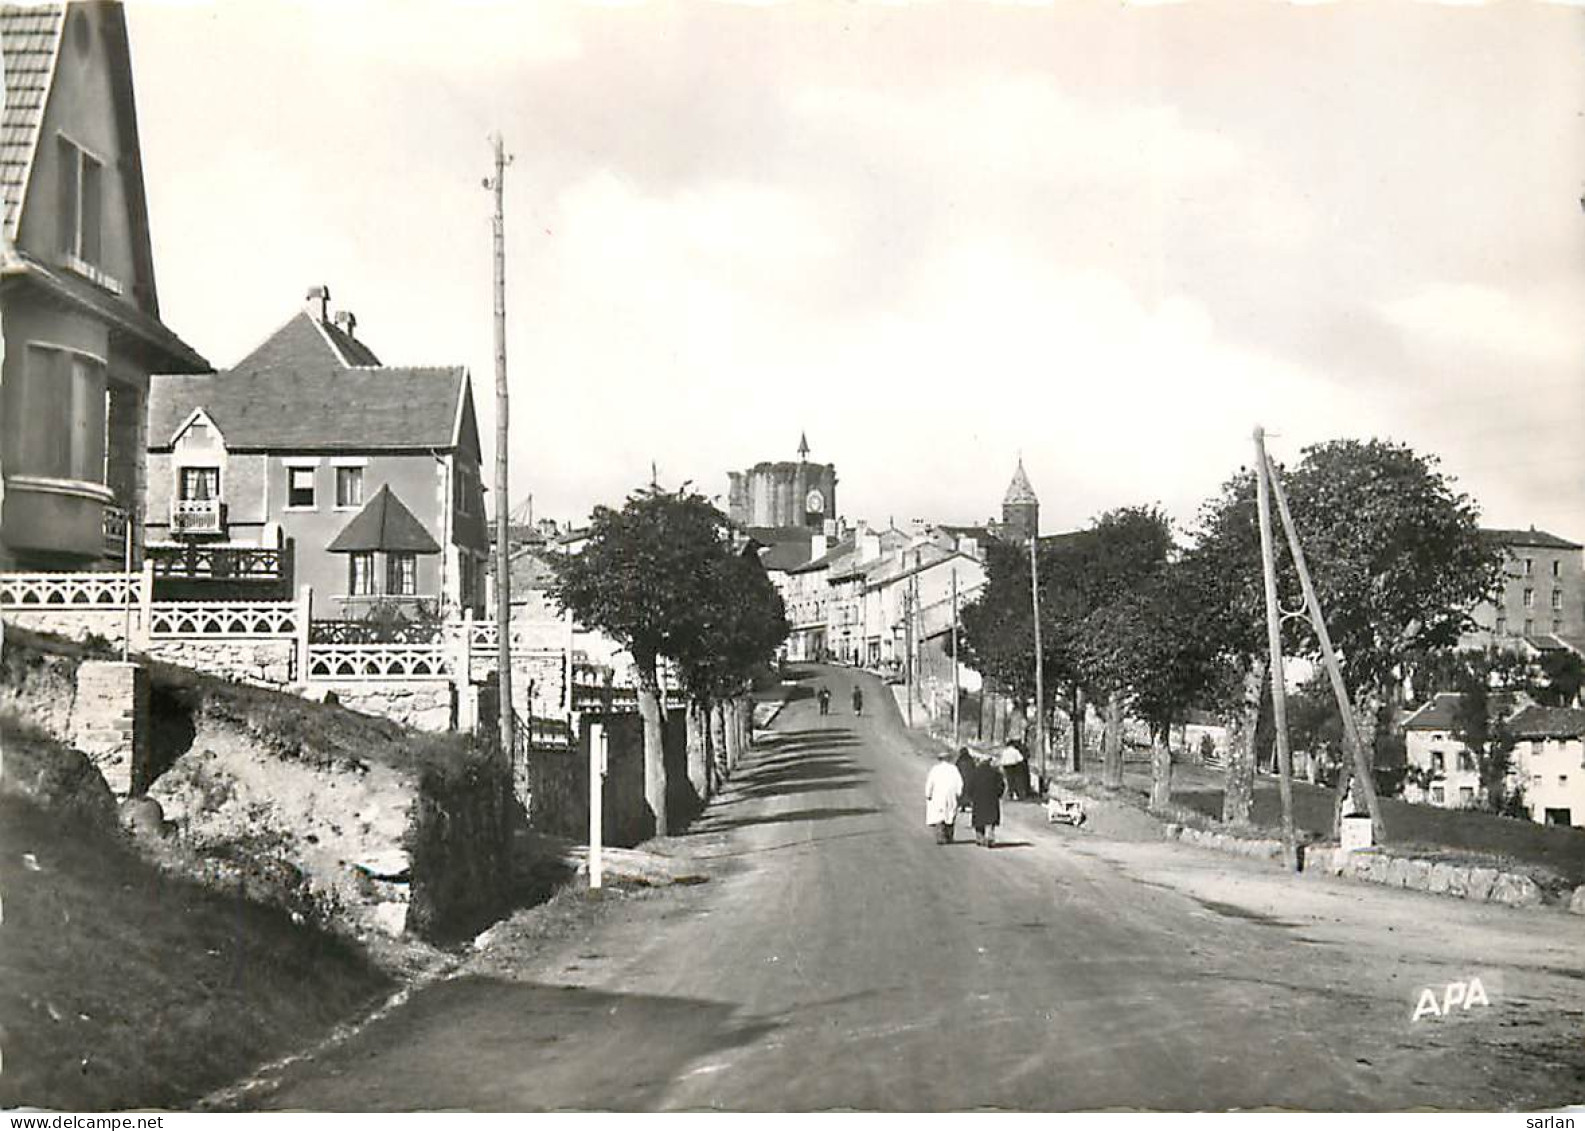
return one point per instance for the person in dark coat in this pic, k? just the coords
(858, 700)
(984, 790)
(825, 700)
(965, 764)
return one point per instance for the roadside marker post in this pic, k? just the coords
(598, 747)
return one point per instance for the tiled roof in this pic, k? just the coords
(384, 524)
(296, 392)
(29, 38)
(392, 409)
(305, 343)
(1437, 714)
(1548, 722)
(829, 558)
(1532, 537)
(784, 556)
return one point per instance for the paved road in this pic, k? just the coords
(840, 959)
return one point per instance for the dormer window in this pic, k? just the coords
(81, 203)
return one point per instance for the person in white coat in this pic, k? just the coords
(943, 787)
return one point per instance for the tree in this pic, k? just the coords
(742, 625)
(1479, 723)
(1398, 561)
(648, 577)
(1562, 674)
(1149, 648)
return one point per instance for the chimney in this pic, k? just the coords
(316, 303)
(347, 323)
(817, 546)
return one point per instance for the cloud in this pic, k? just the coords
(1447, 317)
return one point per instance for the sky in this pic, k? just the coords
(1110, 239)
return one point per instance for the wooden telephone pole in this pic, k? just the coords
(503, 514)
(1279, 690)
(1040, 668)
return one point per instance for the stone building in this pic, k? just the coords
(787, 493)
(1020, 509)
(1542, 602)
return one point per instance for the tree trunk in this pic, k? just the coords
(745, 725)
(1238, 792)
(1112, 743)
(1076, 731)
(734, 734)
(723, 765)
(654, 751)
(699, 748)
(1160, 773)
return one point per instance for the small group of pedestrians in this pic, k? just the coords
(952, 783)
(824, 697)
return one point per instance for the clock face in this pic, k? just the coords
(814, 503)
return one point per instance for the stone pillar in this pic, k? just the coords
(110, 722)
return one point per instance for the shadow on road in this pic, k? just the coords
(824, 814)
(526, 1047)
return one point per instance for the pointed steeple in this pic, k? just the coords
(1019, 491)
(803, 446)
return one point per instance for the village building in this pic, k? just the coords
(1541, 606)
(78, 305)
(310, 463)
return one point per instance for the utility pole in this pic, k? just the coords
(1329, 659)
(1040, 667)
(503, 514)
(1279, 690)
(956, 691)
(908, 648)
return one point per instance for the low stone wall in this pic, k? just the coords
(1259, 848)
(427, 705)
(74, 622)
(263, 663)
(1483, 885)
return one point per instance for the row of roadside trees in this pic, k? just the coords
(664, 578)
(1139, 625)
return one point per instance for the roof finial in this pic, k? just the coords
(803, 445)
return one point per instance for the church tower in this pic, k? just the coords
(1020, 508)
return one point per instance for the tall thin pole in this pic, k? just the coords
(1329, 659)
(1040, 663)
(908, 647)
(503, 512)
(1279, 690)
(956, 690)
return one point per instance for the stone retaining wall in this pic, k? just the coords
(1260, 848)
(428, 705)
(263, 663)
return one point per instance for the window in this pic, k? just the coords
(81, 208)
(1557, 568)
(56, 416)
(1437, 795)
(300, 488)
(1529, 627)
(1466, 795)
(1529, 598)
(349, 486)
(1466, 761)
(1557, 599)
(360, 574)
(1529, 566)
(464, 484)
(199, 484)
(1438, 765)
(401, 575)
(1502, 626)
(1557, 625)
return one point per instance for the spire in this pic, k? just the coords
(803, 445)
(1019, 491)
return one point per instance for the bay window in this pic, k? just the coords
(360, 574)
(401, 577)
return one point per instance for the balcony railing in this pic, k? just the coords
(211, 563)
(198, 516)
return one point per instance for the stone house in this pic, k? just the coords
(1548, 759)
(1542, 602)
(362, 478)
(78, 307)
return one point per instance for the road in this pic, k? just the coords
(840, 959)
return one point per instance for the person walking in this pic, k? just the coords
(984, 791)
(965, 763)
(825, 700)
(858, 699)
(1015, 767)
(943, 788)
